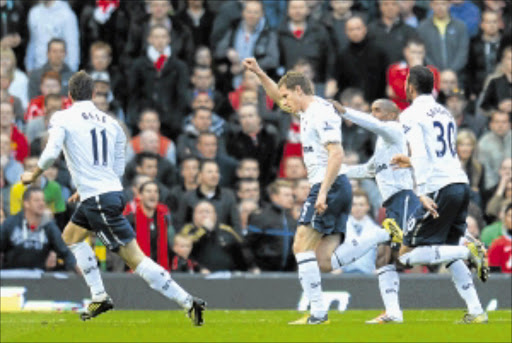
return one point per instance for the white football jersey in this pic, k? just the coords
(94, 147)
(391, 140)
(319, 124)
(432, 133)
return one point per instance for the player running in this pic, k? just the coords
(322, 222)
(443, 189)
(395, 186)
(94, 147)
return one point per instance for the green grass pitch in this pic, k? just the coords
(249, 326)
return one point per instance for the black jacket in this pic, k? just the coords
(200, 33)
(362, 65)
(224, 202)
(219, 249)
(229, 12)
(14, 20)
(270, 238)
(392, 41)
(23, 248)
(478, 67)
(165, 91)
(314, 46)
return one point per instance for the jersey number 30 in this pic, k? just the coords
(445, 137)
(104, 144)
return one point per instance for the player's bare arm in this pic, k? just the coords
(30, 177)
(335, 152)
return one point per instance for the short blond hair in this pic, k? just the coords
(293, 79)
(466, 134)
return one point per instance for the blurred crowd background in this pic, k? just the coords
(214, 178)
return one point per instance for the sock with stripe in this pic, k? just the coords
(389, 285)
(88, 265)
(434, 254)
(463, 280)
(354, 248)
(310, 280)
(160, 280)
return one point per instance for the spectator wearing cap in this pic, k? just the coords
(189, 171)
(151, 220)
(363, 63)
(483, 53)
(56, 55)
(271, 230)
(223, 199)
(249, 37)
(446, 38)
(456, 103)
(19, 143)
(498, 93)
(414, 53)
(27, 238)
(149, 120)
(6, 77)
(65, 28)
(198, 18)
(12, 169)
(159, 80)
(208, 148)
(390, 31)
(19, 83)
(50, 84)
(500, 251)
(255, 140)
(180, 37)
(466, 149)
(300, 37)
(494, 146)
(217, 246)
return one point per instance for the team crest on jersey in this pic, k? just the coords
(406, 128)
(328, 127)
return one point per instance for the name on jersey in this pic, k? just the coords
(438, 110)
(96, 117)
(307, 149)
(381, 167)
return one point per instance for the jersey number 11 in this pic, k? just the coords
(95, 146)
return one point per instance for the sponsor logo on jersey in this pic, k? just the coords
(381, 167)
(328, 127)
(406, 128)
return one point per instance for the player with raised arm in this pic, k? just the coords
(396, 188)
(94, 148)
(322, 222)
(443, 189)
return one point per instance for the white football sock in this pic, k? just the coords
(160, 280)
(309, 277)
(389, 285)
(435, 254)
(351, 250)
(463, 281)
(88, 265)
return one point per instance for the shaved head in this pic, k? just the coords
(384, 109)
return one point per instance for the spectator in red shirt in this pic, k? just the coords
(50, 84)
(414, 53)
(500, 252)
(152, 223)
(19, 143)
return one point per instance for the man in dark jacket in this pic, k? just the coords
(302, 38)
(362, 64)
(159, 80)
(222, 198)
(27, 238)
(271, 230)
(208, 148)
(228, 13)
(389, 31)
(255, 140)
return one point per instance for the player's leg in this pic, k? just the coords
(304, 245)
(325, 250)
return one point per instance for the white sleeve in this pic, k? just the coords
(419, 156)
(368, 122)
(329, 128)
(120, 149)
(57, 134)
(361, 171)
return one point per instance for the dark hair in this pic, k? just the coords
(81, 86)
(146, 110)
(189, 158)
(147, 183)
(494, 112)
(415, 40)
(140, 157)
(293, 79)
(201, 108)
(206, 161)
(509, 207)
(245, 180)
(422, 79)
(29, 191)
(56, 40)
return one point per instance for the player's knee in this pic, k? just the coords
(324, 262)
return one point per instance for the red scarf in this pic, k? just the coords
(105, 4)
(160, 62)
(142, 228)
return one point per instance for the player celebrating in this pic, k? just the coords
(443, 189)
(395, 187)
(322, 221)
(94, 147)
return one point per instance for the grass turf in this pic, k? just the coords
(250, 326)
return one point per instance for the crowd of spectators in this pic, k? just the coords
(214, 179)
